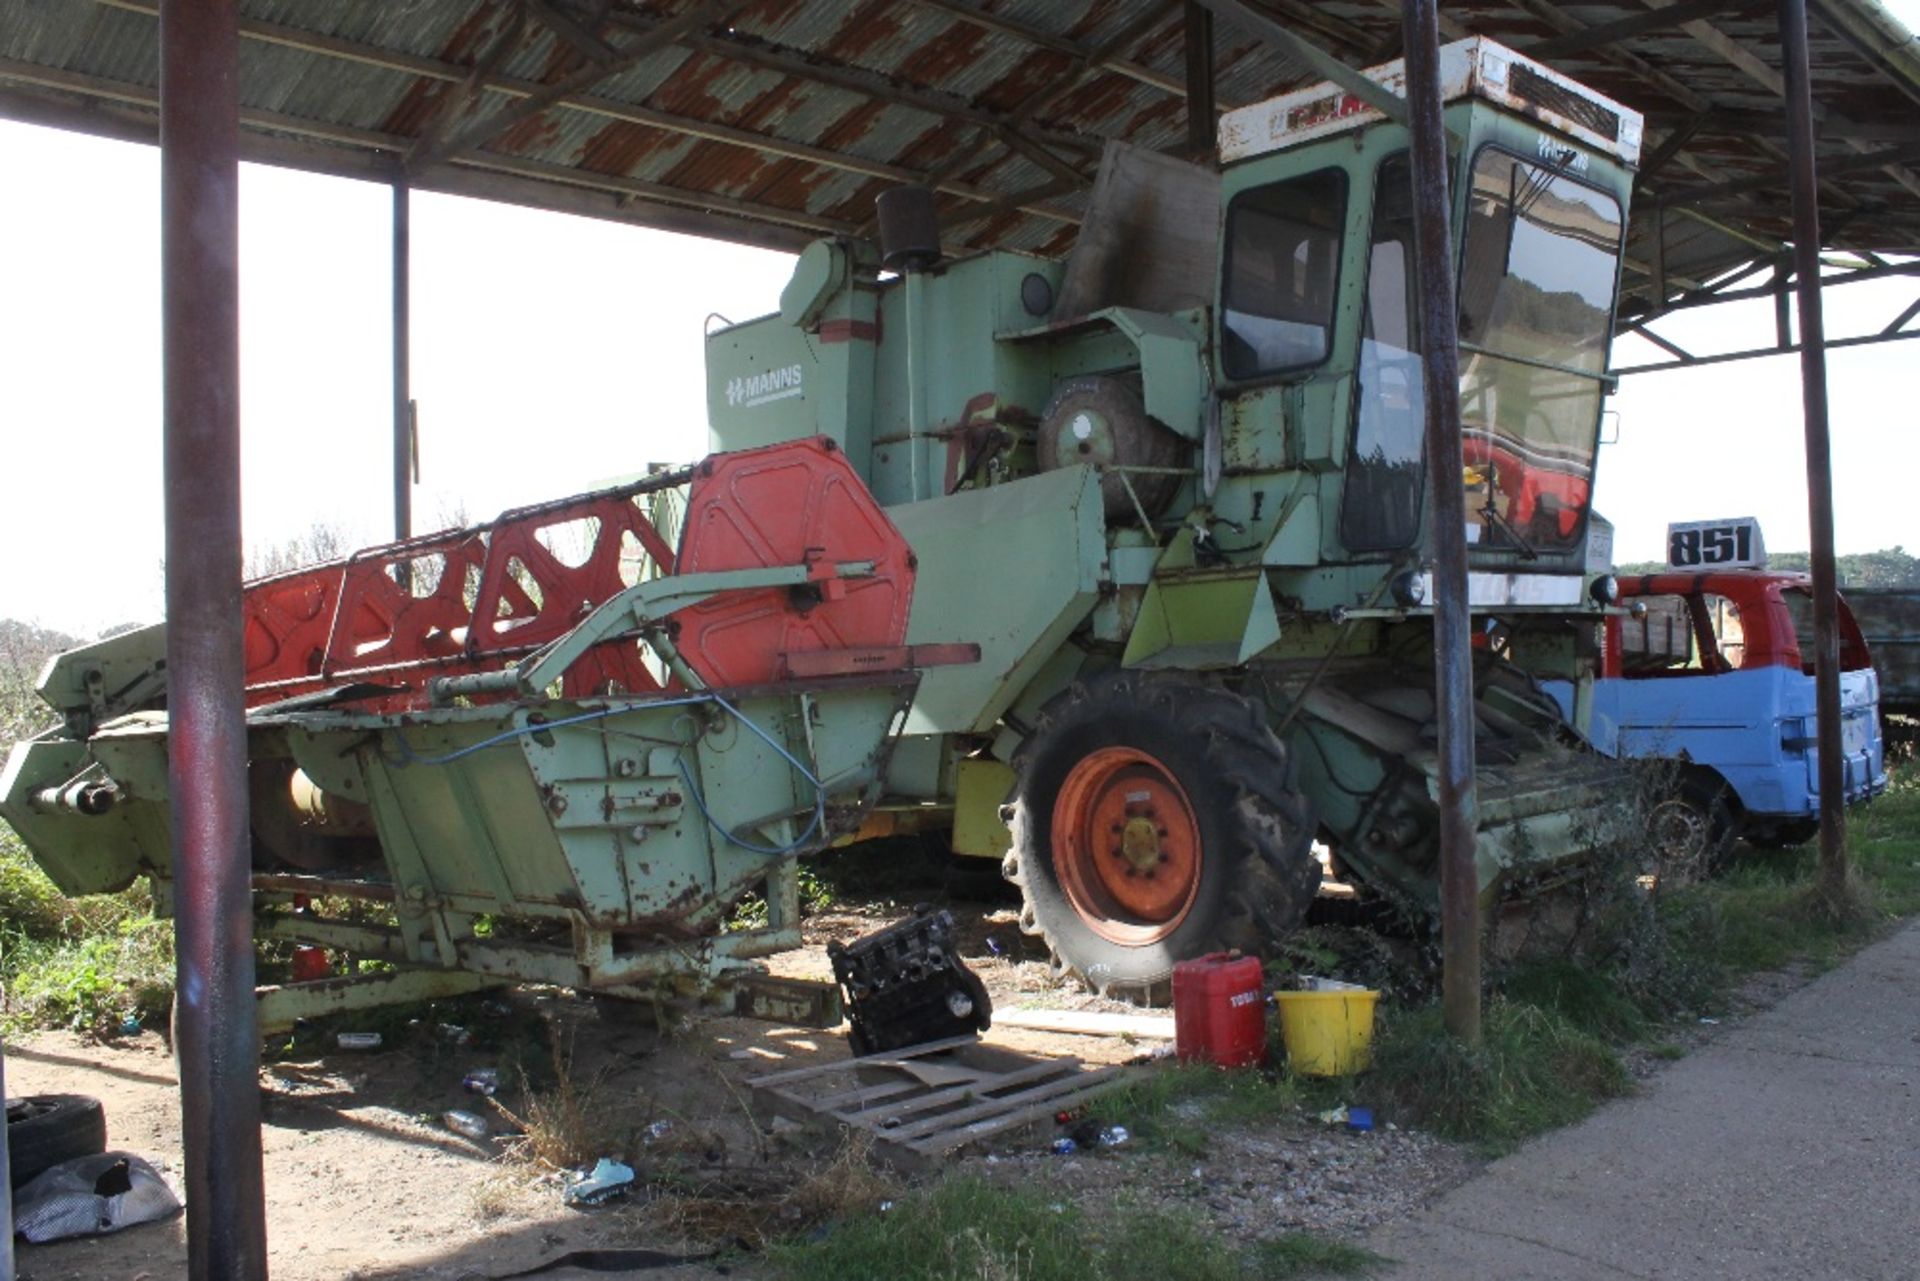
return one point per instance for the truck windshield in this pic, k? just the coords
(1537, 282)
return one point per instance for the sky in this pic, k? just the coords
(552, 353)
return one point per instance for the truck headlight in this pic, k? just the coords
(1409, 589)
(1605, 590)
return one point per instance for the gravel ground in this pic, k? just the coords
(1259, 1181)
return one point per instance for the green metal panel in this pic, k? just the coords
(1204, 619)
(966, 303)
(616, 814)
(81, 853)
(806, 370)
(1013, 568)
(984, 786)
(1173, 380)
(106, 678)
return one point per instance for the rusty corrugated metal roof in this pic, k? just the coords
(774, 121)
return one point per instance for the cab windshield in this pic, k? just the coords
(1537, 282)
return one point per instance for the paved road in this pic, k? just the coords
(1789, 1147)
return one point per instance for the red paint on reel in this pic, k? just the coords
(479, 599)
(791, 504)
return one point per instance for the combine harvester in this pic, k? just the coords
(1117, 568)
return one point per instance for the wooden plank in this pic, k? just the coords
(877, 1060)
(849, 1098)
(1088, 1023)
(1090, 1084)
(961, 1093)
(949, 1120)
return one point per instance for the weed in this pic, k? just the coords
(1533, 1070)
(568, 1125)
(967, 1229)
(1588, 998)
(1884, 840)
(750, 913)
(499, 1195)
(83, 964)
(1181, 1108)
(1302, 1254)
(758, 1206)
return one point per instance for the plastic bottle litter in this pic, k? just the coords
(130, 1026)
(454, 1034)
(484, 1081)
(1064, 1146)
(1333, 1116)
(468, 1125)
(1113, 1136)
(659, 1130)
(1359, 1120)
(609, 1179)
(995, 946)
(358, 1040)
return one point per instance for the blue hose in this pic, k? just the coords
(407, 757)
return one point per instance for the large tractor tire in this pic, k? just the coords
(1155, 818)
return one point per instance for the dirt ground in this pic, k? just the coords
(365, 1182)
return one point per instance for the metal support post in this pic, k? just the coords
(6, 1187)
(206, 742)
(1813, 394)
(1201, 108)
(1452, 653)
(1782, 318)
(403, 442)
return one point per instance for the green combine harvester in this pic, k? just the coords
(1116, 568)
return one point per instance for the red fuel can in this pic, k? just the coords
(1220, 1010)
(310, 964)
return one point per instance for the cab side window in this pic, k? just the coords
(1380, 506)
(1729, 637)
(1659, 641)
(1282, 274)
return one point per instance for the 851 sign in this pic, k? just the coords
(1716, 544)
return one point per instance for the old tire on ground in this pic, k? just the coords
(1155, 818)
(46, 1129)
(1692, 829)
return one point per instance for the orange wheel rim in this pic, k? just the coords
(1126, 846)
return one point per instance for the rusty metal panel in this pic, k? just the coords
(916, 84)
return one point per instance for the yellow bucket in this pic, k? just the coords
(1327, 1033)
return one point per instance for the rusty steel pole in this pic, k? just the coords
(215, 1034)
(1813, 396)
(403, 445)
(6, 1186)
(1452, 647)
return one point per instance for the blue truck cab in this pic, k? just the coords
(1712, 668)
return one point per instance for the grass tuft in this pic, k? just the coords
(81, 964)
(967, 1229)
(1302, 1254)
(1181, 1107)
(1533, 1070)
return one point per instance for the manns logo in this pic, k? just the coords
(758, 389)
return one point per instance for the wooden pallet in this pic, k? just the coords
(930, 1101)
